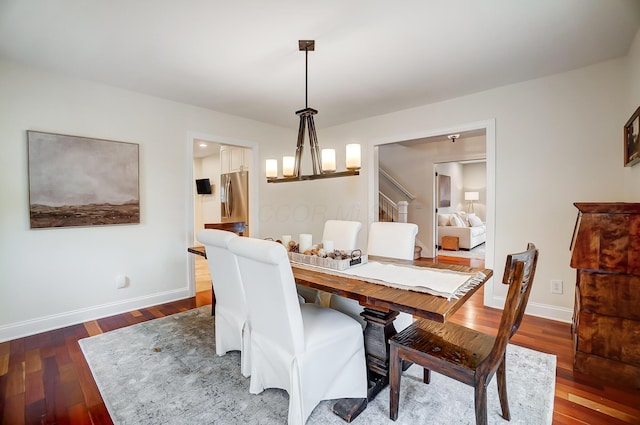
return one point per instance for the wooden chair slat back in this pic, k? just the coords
(518, 274)
(530, 260)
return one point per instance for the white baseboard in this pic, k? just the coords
(561, 314)
(545, 311)
(57, 321)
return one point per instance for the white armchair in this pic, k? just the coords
(231, 330)
(313, 353)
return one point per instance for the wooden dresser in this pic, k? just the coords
(606, 320)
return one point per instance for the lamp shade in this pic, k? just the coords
(471, 196)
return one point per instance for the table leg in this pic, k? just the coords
(376, 344)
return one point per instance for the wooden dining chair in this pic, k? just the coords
(464, 354)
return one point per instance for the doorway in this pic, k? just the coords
(418, 155)
(206, 207)
(467, 199)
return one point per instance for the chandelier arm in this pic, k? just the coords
(313, 141)
(297, 170)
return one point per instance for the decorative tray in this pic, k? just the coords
(353, 259)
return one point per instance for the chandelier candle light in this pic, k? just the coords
(324, 166)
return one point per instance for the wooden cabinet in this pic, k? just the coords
(233, 159)
(606, 321)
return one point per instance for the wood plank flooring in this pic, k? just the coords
(44, 378)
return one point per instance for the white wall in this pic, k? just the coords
(632, 174)
(303, 207)
(558, 141)
(475, 180)
(53, 277)
(634, 72)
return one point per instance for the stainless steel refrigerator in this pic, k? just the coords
(234, 197)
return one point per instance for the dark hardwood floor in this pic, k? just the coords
(44, 378)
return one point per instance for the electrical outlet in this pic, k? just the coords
(121, 281)
(556, 287)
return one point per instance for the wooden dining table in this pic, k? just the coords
(381, 304)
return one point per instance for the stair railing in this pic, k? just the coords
(387, 209)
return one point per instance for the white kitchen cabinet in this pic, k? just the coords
(233, 158)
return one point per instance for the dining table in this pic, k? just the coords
(381, 304)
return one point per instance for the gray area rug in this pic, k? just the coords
(165, 371)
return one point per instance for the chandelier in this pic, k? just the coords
(324, 162)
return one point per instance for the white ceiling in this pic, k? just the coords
(372, 56)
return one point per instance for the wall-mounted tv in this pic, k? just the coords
(203, 186)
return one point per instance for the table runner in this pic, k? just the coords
(443, 283)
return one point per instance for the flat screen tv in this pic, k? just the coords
(203, 186)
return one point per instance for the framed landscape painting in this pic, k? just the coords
(80, 181)
(631, 139)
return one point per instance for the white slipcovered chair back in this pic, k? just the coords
(313, 353)
(231, 330)
(392, 239)
(343, 234)
(274, 308)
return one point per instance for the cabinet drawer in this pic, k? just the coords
(608, 241)
(609, 337)
(607, 369)
(609, 294)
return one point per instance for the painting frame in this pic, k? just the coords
(632, 139)
(77, 181)
(444, 191)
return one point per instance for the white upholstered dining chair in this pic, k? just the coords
(392, 239)
(344, 235)
(386, 239)
(231, 326)
(312, 352)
